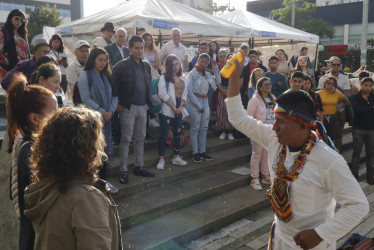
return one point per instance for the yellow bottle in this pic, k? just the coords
(230, 65)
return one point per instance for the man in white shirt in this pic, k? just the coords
(334, 64)
(82, 50)
(319, 177)
(172, 47)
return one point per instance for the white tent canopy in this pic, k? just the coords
(264, 28)
(158, 17)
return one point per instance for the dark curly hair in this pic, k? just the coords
(70, 145)
(59, 38)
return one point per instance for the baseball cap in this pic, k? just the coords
(332, 59)
(37, 43)
(244, 45)
(81, 43)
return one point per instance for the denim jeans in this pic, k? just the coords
(199, 125)
(133, 122)
(331, 124)
(361, 137)
(166, 122)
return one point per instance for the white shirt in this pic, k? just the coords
(59, 55)
(99, 42)
(170, 48)
(343, 82)
(72, 73)
(120, 50)
(166, 94)
(324, 180)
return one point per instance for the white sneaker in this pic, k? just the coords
(113, 189)
(222, 136)
(255, 183)
(179, 161)
(230, 136)
(266, 180)
(161, 164)
(154, 123)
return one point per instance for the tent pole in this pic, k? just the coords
(159, 39)
(316, 58)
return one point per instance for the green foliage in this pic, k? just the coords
(304, 18)
(41, 16)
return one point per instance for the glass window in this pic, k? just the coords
(64, 13)
(20, 7)
(8, 6)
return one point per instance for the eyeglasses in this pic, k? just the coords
(335, 64)
(267, 84)
(330, 83)
(19, 19)
(102, 60)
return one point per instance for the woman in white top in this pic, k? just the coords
(172, 89)
(57, 51)
(150, 54)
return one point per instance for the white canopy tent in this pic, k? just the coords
(265, 29)
(158, 17)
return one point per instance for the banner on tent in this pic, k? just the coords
(160, 24)
(267, 34)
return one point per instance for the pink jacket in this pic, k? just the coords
(256, 108)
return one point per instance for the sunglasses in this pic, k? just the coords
(335, 64)
(267, 84)
(19, 19)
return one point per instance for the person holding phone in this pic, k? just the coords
(57, 51)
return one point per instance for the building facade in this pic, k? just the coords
(70, 10)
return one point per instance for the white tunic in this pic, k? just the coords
(324, 180)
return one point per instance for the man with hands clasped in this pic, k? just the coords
(308, 177)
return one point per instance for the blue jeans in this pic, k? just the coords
(165, 123)
(199, 125)
(361, 137)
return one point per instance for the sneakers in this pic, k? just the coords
(196, 158)
(222, 136)
(161, 164)
(266, 180)
(142, 171)
(230, 136)
(154, 123)
(178, 161)
(255, 183)
(205, 156)
(124, 178)
(113, 189)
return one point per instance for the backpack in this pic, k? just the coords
(156, 100)
(76, 95)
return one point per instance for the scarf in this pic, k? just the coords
(278, 194)
(101, 87)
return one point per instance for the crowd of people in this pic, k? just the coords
(60, 151)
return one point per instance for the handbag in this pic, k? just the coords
(358, 242)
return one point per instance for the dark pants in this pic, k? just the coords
(165, 123)
(331, 124)
(339, 133)
(26, 234)
(116, 128)
(361, 137)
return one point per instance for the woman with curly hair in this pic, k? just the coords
(27, 106)
(13, 41)
(96, 92)
(256, 75)
(57, 51)
(71, 208)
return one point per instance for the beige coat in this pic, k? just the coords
(84, 217)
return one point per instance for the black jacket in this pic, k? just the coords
(363, 112)
(124, 81)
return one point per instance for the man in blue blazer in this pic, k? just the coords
(118, 51)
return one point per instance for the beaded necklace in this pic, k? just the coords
(279, 192)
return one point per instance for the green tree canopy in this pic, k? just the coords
(305, 18)
(42, 15)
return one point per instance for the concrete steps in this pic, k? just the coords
(183, 203)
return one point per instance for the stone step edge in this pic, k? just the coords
(175, 204)
(153, 183)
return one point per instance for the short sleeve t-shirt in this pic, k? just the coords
(330, 100)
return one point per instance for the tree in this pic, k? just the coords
(41, 16)
(305, 18)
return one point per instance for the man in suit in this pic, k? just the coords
(117, 50)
